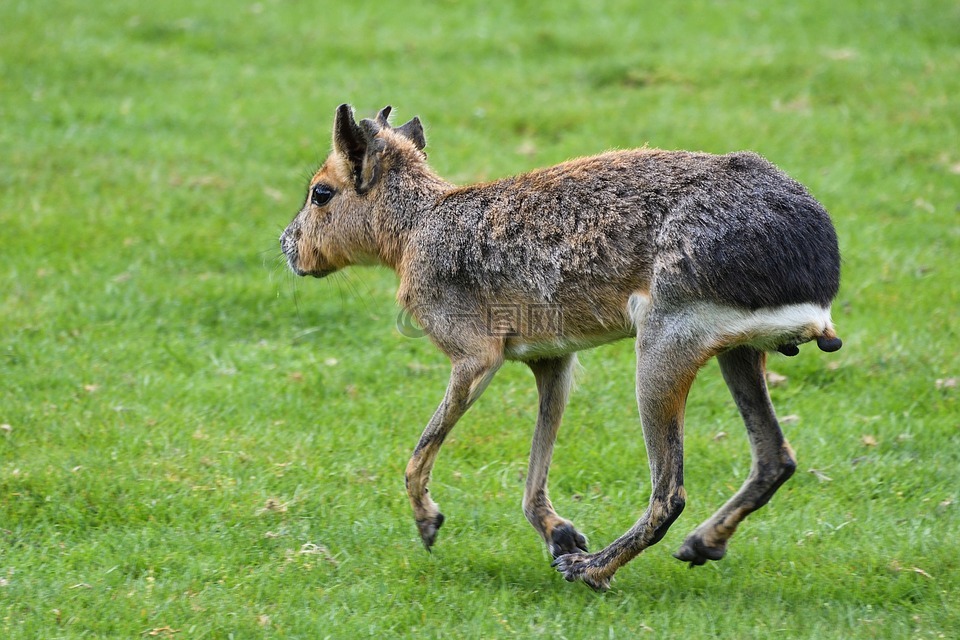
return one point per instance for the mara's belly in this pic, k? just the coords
(553, 330)
(534, 348)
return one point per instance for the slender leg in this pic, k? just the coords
(468, 380)
(554, 376)
(666, 367)
(773, 460)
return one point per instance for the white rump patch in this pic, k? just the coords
(720, 326)
(765, 328)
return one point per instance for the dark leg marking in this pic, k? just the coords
(676, 508)
(566, 539)
(428, 529)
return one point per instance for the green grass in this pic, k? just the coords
(199, 443)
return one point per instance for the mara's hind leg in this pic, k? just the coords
(666, 367)
(773, 460)
(554, 376)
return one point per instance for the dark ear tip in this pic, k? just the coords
(345, 107)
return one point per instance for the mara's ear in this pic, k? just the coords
(413, 131)
(368, 174)
(359, 145)
(348, 137)
(383, 118)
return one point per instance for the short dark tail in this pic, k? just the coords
(828, 342)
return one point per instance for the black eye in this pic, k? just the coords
(321, 194)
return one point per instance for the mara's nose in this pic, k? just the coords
(287, 239)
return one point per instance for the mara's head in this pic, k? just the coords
(338, 223)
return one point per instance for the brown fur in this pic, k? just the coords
(694, 254)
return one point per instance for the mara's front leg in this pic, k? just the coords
(468, 379)
(554, 377)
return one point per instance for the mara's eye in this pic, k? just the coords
(321, 194)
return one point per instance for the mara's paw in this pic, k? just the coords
(566, 539)
(578, 566)
(428, 528)
(696, 551)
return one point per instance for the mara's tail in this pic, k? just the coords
(828, 341)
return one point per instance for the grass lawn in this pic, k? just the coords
(195, 443)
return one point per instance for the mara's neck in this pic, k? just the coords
(407, 202)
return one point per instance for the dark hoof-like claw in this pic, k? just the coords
(566, 539)
(696, 552)
(428, 528)
(576, 566)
